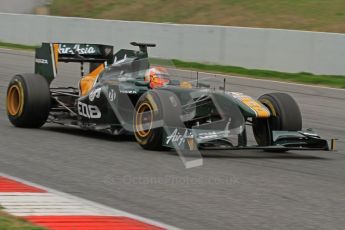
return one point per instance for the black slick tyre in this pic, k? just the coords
(28, 101)
(285, 115)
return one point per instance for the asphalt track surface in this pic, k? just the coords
(232, 190)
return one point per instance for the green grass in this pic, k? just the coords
(305, 78)
(16, 46)
(315, 15)
(8, 222)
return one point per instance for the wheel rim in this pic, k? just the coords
(14, 100)
(143, 120)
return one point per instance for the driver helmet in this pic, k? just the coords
(157, 76)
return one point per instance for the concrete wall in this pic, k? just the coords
(20, 6)
(282, 50)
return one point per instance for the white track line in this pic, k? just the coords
(224, 75)
(262, 80)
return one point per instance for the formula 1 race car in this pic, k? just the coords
(123, 94)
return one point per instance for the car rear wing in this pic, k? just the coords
(135, 60)
(134, 54)
(49, 54)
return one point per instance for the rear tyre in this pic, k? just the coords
(28, 101)
(285, 115)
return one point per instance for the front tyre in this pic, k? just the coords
(153, 110)
(28, 101)
(285, 115)
(148, 110)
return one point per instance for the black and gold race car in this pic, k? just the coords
(123, 94)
